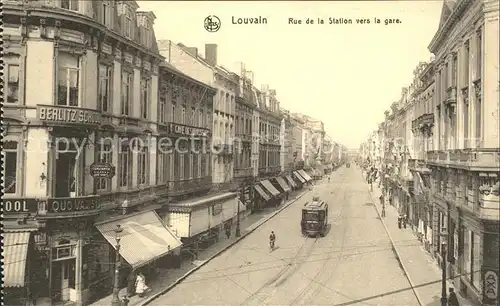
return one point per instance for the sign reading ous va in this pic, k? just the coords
(68, 115)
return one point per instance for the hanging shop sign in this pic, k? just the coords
(490, 279)
(20, 205)
(179, 129)
(68, 115)
(102, 170)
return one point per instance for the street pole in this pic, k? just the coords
(238, 233)
(116, 287)
(444, 300)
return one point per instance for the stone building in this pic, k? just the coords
(287, 141)
(81, 122)
(465, 155)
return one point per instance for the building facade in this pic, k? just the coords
(227, 84)
(81, 114)
(288, 141)
(464, 158)
(185, 134)
(297, 142)
(270, 122)
(450, 161)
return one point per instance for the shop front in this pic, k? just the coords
(19, 264)
(200, 221)
(277, 197)
(262, 199)
(291, 182)
(305, 175)
(282, 184)
(299, 179)
(143, 242)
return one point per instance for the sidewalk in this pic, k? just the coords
(421, 269)
(168, 277)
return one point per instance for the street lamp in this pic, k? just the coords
(116, 289)
(444, 236)
(238, 232)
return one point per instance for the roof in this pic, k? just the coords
(315, 205)
(171, 68)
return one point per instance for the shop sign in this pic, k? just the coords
(102, 170)
(19, 205)
(68, 115)
(64, 205)
(185, 130)
(490, 287)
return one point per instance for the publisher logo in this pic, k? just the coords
(212, 23)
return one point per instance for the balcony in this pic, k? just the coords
(243, 172)
(176, 188)
(469, 159)
(223, 149)
(244, 137)
(451, 96)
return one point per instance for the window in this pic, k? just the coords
(145, 95)
(173, 112)
(163, 164)
(142, 165)
(104, 155)
(476, 261)
(183, 115)
(124, 165)
(200, 119)
(479, 53)
(187, 160)
(69, 79)
(69, 5)
(146, 40)
(126, 93)
(163, 110)
(177, 164)
(466, 63)
(107, 13)
(467, 252)
(11, 77)
(129, 24)
(105, 88)
(10, 159)
(454, 71)
(194, 117)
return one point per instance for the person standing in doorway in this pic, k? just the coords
(452, 298)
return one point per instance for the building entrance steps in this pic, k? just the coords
(167, 278)
(420, 268)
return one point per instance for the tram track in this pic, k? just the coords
(312, 280)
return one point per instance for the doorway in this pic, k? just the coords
(64, 279)
(66, 174)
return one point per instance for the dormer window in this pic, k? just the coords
(69, 5)
(129, 25)
(146, 31)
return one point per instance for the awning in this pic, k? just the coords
(262, 193)
(15, 251)
(267, 184)
(305, 175)
(283, 184)
(290, 180)
(144, 238)
(300, 178)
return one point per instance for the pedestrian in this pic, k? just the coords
(405, 219)
(400, 220)
(140, 285)
(383, 210)
(452, 298)
(131, 279)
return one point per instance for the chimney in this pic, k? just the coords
(193, 51)
(211, 54)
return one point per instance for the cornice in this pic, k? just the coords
(441, 34)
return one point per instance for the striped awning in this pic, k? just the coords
(291, 181)
(262, 193)
(306, 176)
(267, 184)
(299, 177)
(283, 184)
(144, 238)
(15, 251)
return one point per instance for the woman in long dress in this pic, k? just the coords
(140, 285)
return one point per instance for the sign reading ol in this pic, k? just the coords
(20, 206)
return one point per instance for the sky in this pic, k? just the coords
(346, 75)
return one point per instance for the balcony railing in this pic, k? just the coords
(189, 186)
(223, 149)
(474, 159)
(245, 137)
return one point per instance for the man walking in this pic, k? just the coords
(452, 298)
